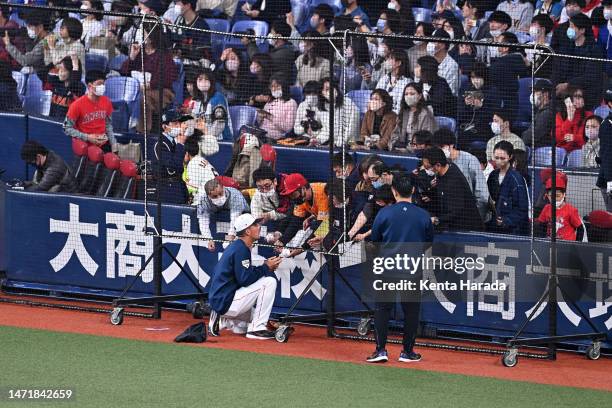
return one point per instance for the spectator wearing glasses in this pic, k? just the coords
(415, 115)
(267, 204)
(509, 197)
(570, 121)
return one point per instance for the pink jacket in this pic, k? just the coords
(281, 121)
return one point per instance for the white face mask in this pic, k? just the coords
(411, 100)
(302, 47)
(178, 9)
(478, 82)
(418, 42)
(348, 53)
(381, 51)
(84, 7)
(31, 33)
(271, 40)
(231, 65)
(189, 130)
(607, 14)
(451, 33)
(203, 86)
(534, 32)
(534, 99)
(559, 203)
(430, 172)
(277, 94)
(325, 95)
(495, 33)
(391, 5)
(254, 69)
(431, 48)
(269, 194)
(99, 90)
(374, 105)
(495, 128)
(311, 100)
(591, 133)
(387, 65)
(174, 132)
(219, 201)
(447, 152)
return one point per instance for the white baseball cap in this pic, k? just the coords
(244, 221)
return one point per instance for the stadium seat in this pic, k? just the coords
(127, 180)
(524, 111)
(116, 62)
(21, 81)
(242, 115)
(260, 27)
(297, 93)
(602, 111)
(178, 86)
(36, 101)
(79, 148)
(95, 62)
(93, 170)
(421, 15)
(300, 12)
(574, 159)
(543, 156)
(361, 99)
(522, 37)
(124, 94)
(110, 175)
(446, 122)
(15, 17)
(218, 40)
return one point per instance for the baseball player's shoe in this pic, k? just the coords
(213, 323)
(379, 356)
(260, 335)
(411, 357)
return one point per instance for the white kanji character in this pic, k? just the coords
(601, 306)
(185, 255)
(74, 243)
(130, 235)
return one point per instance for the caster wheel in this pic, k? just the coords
(117, 316)
(593, 352)
(363, 327)
(282, 334)
(197, 310)
(510, 358)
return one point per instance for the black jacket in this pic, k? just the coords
(455, 203)
(441, 98)
(54, 174)
(543, 121)
(605, 152)
(283, 60)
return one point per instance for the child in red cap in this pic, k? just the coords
(568, 218)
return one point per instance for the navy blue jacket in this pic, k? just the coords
(168, 156)
(511, 202)
(605, 152)
(234, 271)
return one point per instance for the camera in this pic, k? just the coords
(311, 123)
(473, 94)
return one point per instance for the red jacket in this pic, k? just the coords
(574, 127)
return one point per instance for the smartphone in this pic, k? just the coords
(568, 102)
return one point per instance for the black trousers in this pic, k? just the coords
(411, 306)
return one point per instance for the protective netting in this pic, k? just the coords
(231, 113)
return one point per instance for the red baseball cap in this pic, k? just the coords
(560, 179)
(292, 182)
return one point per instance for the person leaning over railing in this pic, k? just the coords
(89, 117)
(52, 172)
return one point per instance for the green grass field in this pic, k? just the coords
(108, 372)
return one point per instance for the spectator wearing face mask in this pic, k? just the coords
(381, 67)
(93, 24)
(310, 65)
(362, 227)
(604, 37)
(435, 88)
(560, 41)
(550, 8)
(346, 115)
(499, 23)
(357, 62)
(193, 45)
(474, 24)
(89, 117)
(414, 116)
(567, 218)
(260, 70)
(508, 68)
(509, 196)
(538, 133)
(500, 126)
(396, 80)
(278, 115)
(379, 121)
(37, 22)
(233, 77)
(468, 165)
(541, 25)
(267, 204)
(67, 45)
(282, 53)
(419, 49)
(208, 105)
(66, 86)
(217, 199)
(585, 74)
(521, 13)
(590, 150)
(308, 117)
(570, 121)
(352, 9)
(447, 67)
(476, 107)
(52, 173)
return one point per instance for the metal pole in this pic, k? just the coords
(157, 240)
(552, 280)
(331, 295)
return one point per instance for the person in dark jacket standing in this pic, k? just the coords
(282, 53)
(240, 292)
(455, 208)
(539, 131)
(52, 172)
(508, 193)
(402, 222)
(605, 153)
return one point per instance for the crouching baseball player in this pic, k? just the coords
(241, 295)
